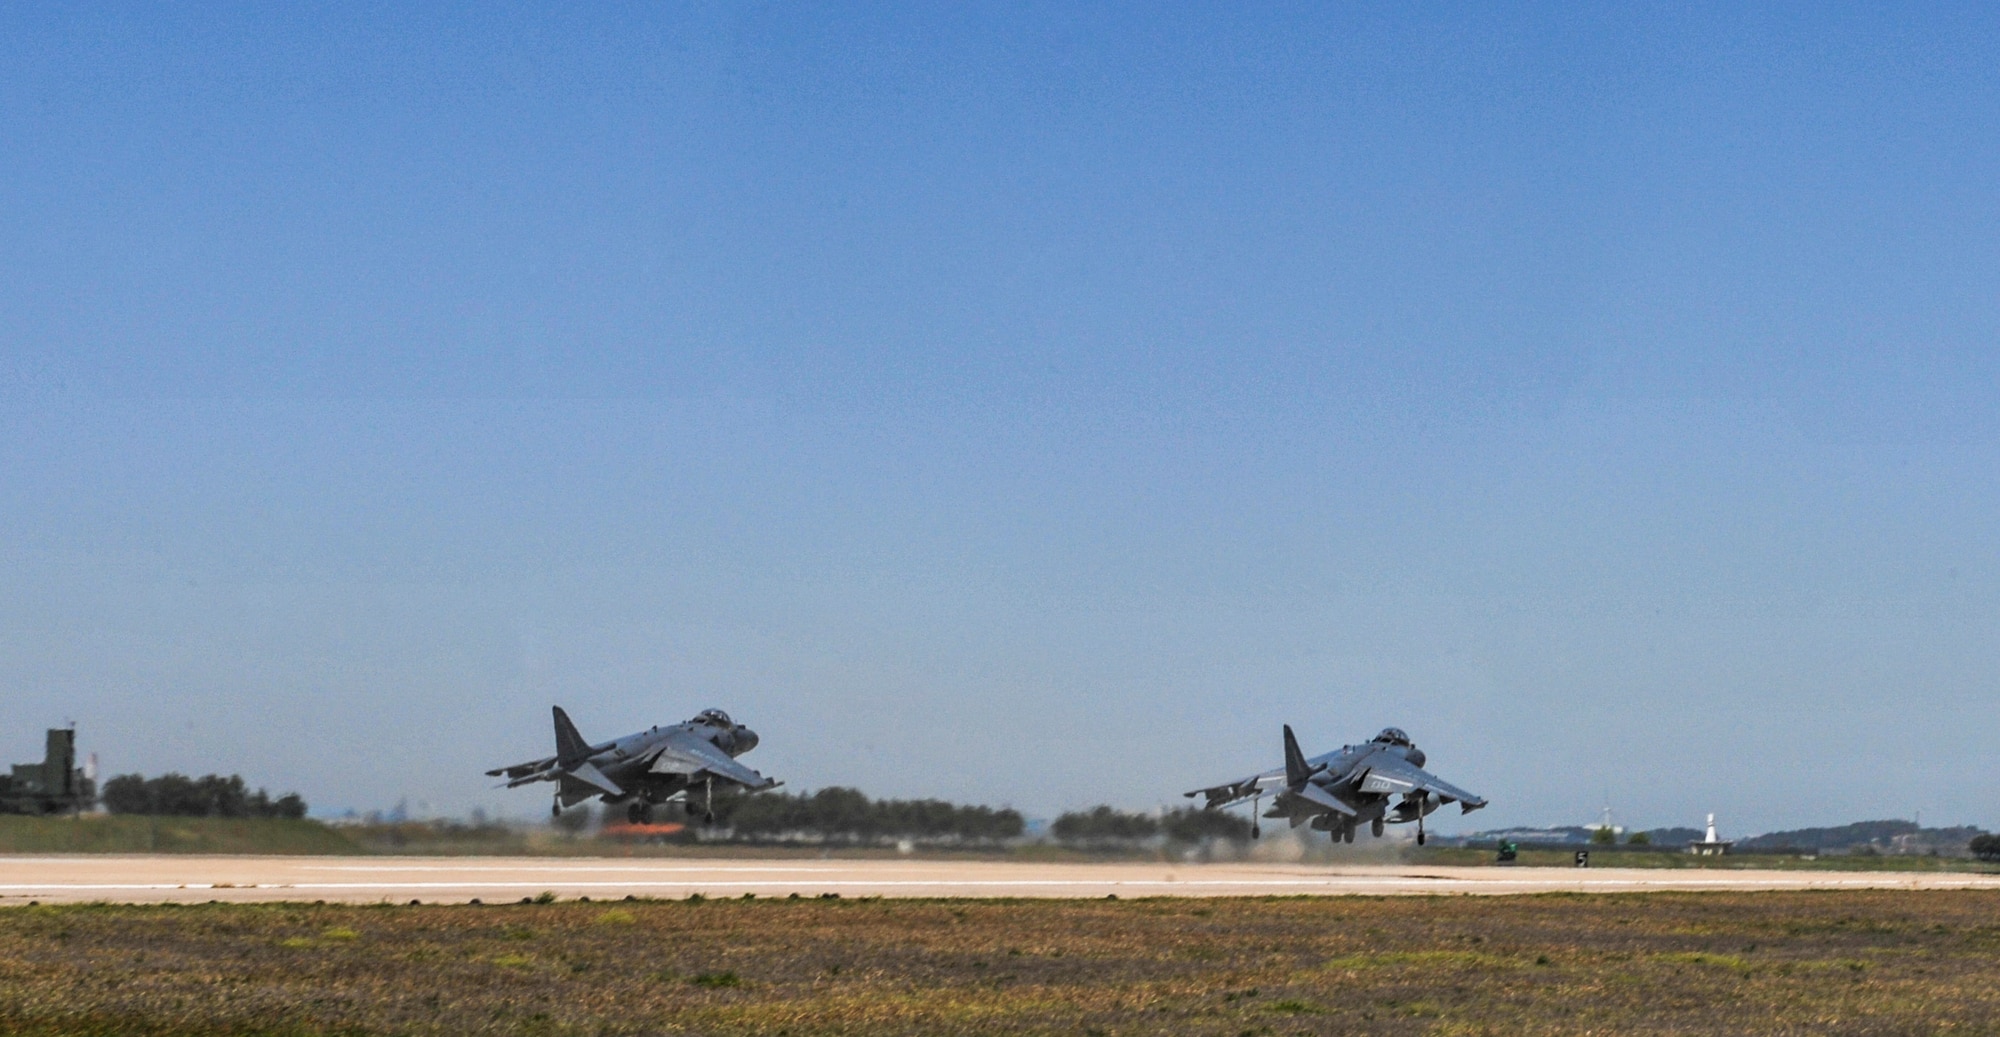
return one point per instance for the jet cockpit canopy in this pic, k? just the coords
(1393, 736)
(713, 717)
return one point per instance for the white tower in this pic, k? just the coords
(1709, 845)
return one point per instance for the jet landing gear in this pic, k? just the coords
(707, 808)
(640, 812)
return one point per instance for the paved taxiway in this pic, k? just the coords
(136, 879)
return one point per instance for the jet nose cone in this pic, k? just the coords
(746, 739)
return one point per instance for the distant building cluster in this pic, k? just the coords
(54, 786)
(58, 786)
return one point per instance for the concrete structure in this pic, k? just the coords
(1710, 845)
(54, 786)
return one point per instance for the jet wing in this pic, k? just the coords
(1389, 775)
(1321, 798)
(691, 756)
(1236, 792)
(586, 775)
(523, 769)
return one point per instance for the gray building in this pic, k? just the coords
(54, 786)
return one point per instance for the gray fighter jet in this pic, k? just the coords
(647, 768)
(1382, 781)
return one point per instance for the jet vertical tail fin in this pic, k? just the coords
(571, 749)
(1296, 771)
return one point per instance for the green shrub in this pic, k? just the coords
(211, 795)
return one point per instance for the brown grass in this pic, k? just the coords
(130, 833)
(1720, 963)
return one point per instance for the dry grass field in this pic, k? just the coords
(112, 833)
(1720, 963)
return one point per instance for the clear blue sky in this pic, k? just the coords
(1034, 405)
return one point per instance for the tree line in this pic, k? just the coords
(1102, 826)
(840, 814)
(848, 815)
(211, 795)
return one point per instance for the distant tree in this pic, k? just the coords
(1639, 839)
(126, 794)
(1986, 847)
(574, 820)
(1877, 833)
(1102, 824)
(842, 814)
(222, 797)
(212, 795)
(1194, 825)
(1604, 837)
(176, 794)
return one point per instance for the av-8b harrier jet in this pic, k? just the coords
(646, 768)
(1342, 790)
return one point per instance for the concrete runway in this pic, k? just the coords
(152, 879)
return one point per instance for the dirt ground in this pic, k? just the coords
(1875, 962)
